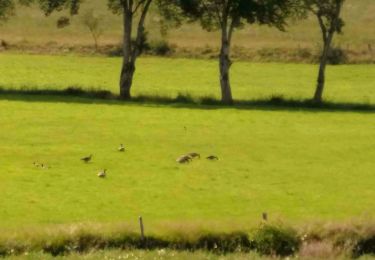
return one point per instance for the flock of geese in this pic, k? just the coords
(187, 158)
(102, 173)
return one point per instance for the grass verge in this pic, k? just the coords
(268, 239)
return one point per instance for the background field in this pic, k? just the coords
(298, 165)
(31, 27)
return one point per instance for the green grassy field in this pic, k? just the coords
(163, 76)
(297, 165)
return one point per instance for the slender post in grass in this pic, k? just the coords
(142, 228)
(265, 216)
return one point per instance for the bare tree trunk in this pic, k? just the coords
(318, 96)
(224, 66)
(128, 68)
(131, 52)
(327, 33)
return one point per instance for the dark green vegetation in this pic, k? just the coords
(266, 240)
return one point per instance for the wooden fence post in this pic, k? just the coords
(142, 228)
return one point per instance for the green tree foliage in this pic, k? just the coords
(327, 13)
(6, 9)
(229, 15)
(93, 23)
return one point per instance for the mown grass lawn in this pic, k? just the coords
(162, 76)
(296, 165)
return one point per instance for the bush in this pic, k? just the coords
(277, 99)
(4, 44)
(276, 240)
(364, 246)
(184, 98)
(63, 22)
(116, 51)
(224, 243)
(304, 54)
(160, 48)
(336, 56)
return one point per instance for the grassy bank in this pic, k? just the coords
(336, 241)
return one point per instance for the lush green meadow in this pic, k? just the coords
(168, 77)
(297, 165)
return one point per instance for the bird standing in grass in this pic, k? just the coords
(184, 159)
(36, 164)
(102, 174)
(194, 155)
(121, 148)
(212, 158)
(87, 158)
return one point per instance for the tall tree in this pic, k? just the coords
(228, 15)
(328, 14)
(131, 49)
(129, 9)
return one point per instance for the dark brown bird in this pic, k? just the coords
(87, 158)
(36, 164)
(184, 159)
(121, 148)
(212, 158)
(194, 155)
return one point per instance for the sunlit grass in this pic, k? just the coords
(296, 165)
(162, 76)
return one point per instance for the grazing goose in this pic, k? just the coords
(102, 174)
(184, 159)
(212, 158)
(121, 148)
(194, 155)
(87, 158)
(36, 164)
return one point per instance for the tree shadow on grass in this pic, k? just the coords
(97, 96)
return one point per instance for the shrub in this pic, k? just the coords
(224, 243)
(208, 100)
(304, 54)
(63, 22)
(4, 44)
(277, 99)
(336, 56)
(276, 240)
(184, 98)
(161, 48)
(364, 246)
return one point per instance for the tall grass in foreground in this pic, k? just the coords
(320, 241)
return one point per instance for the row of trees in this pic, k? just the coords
(227, 16)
